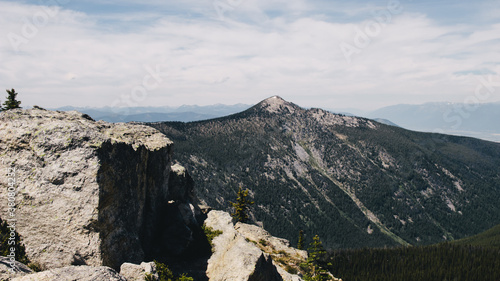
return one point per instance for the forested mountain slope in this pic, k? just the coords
(487, 239)
(352, 181)
(469, 259)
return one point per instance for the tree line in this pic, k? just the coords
(445, 261)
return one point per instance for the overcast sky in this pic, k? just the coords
(316, 53)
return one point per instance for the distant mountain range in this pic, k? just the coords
(353, 181)
(185, 113)
(448, 118)
(479, 121)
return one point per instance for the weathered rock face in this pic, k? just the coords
(76, 273)
(92, 193)
(182, 216)
(137, 272)
(284, 256)
(237, 257)
(8, 270)
(255, 233)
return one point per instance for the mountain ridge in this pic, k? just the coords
(342, 172)
(473, 120)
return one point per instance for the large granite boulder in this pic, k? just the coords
(137, 272)
(236, 257)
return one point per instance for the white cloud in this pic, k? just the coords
(76, 60)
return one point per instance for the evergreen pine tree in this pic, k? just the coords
(314, 265)
(11, 102)
(300, 244)
(241, 206)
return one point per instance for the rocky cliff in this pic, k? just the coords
(93, 193)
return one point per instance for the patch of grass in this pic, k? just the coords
(281, 260)
(290, 269)
(210, 233)
(165, 274)
(36, 267)
(255, 242)
(149, 277)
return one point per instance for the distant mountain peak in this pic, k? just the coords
(276, 104)
(275, 99)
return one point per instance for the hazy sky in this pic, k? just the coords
(316, 53)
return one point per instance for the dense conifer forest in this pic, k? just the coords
(469, 259)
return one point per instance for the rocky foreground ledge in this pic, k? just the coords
(94, 200)
(245, 252)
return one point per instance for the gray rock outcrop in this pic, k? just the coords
(74, 273)
(9, 269)
(93, 193)
(236, 257)
(256, 233)
(284, 257)
(137, 272)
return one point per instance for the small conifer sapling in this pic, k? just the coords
(241, 206)
(300, 244)
(11, 102)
